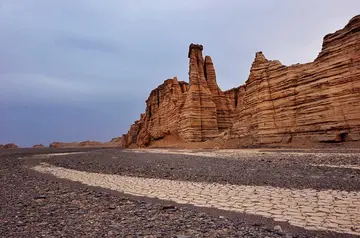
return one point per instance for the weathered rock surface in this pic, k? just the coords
(197, 111)
(38, 146)
(224, 108)
(317, 101)
(198, 116)
(163, 108)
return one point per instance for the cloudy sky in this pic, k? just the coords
(77, 70)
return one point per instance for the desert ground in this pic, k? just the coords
(180, 193)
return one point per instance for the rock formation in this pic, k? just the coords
(38, 146)
(224, 108)
(162, 116)
(9, 146)
(198, 116)
(195, 112)
(115, 142)
(317, 101)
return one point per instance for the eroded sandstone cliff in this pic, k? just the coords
(317, 101)
(195, 112)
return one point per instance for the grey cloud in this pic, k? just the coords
(59, 57)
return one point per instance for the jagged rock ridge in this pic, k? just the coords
(317, 101)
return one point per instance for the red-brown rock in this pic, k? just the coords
(162, 116)
(224, 109)
(197, 111)
(10, 146)
(198, 116)
(317, 101)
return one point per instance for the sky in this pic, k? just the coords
(82, 70)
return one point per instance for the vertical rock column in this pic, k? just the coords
(224, 108)
(199, 114)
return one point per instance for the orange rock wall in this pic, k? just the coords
(163, 109)
(198, 116)
(197, 111)
(317, 101)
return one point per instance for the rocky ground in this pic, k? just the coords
(154, 193)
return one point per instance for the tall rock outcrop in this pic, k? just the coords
(199, 116)
(195, 111)
(224, 108)
(317, 101)
(162, 116)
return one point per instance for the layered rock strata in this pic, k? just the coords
(198, 116)
(317, 101)
(194, 111)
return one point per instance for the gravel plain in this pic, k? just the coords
(36, 204)
(285, 169)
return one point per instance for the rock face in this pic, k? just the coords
(198, 116)
(197, 111)
(317, 101)
(224, 108)
(162, 116)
